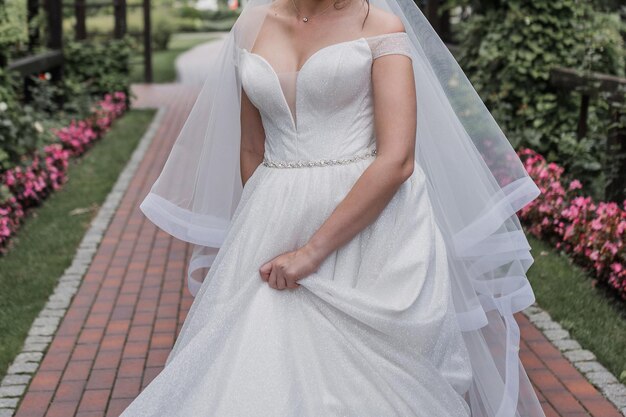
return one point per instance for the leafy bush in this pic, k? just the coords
(161, 31)
(92, 69)
(76, 101)
(44, 93)
(21, 126)
(219, 14)
(99, 66)
(200, 25)
(508, 51)
(190, 19)
(13, 31)
(7, 86)
(44, 170)
(21, 131)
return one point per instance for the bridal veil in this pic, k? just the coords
(475, 180)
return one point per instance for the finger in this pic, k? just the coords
(281, 283)
(265, 270)
(291, 281)
(272, 279)
(292, 284)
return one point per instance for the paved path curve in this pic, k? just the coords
(191, 65)
(132, 301)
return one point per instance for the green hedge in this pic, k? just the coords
(508, 50)
(13, 28)
(91, 70)
(100, 67)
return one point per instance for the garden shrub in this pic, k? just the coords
(508, 51)
(13, 30)
(22, 128)
(44, 170)
(219, 14)
(101, 66)
(162, 31)
(34, 147)
(7, 86)
(190, 19)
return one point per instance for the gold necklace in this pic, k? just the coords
(305, 19)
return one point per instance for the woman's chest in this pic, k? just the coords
(335, 78)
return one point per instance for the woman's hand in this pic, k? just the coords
(284, 270)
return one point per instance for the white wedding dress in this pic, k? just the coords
(372, 333)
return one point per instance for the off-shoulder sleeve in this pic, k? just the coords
(390, 43)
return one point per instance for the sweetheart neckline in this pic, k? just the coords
(306, 61)
(313, 55)
(293, 116)
(362, 38)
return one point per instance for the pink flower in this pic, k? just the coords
(29, 185)
(591, 232)
(575, 185)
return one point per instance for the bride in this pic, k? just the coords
(355, 202)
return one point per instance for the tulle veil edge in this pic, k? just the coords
(475, 181)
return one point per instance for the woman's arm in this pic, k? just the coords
(252, 138)
(395, 110)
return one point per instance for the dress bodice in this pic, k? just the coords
(329, 111)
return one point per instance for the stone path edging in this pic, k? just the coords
(584, 360)
(26, 363)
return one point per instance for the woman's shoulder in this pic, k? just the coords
(386, 34)
(381, 22)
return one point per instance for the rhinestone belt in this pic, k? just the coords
(317, 163)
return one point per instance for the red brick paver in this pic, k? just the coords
(132, 302)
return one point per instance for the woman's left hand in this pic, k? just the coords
(284, 270)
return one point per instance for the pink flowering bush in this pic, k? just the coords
(592, 233)
(109, 109)
(32, 183)
(10, 214)
(25, 186)
(81, 134)
(77, 136)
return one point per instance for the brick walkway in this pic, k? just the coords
(124, 318)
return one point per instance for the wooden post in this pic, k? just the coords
(432, 14)
(54, 10)
(32, 12)
(616, 148)
(444, 26)
(119, 9)
(80, 30)
(583, 115)
(590, 85)
(147, 42)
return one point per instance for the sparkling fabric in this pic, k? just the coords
(389, 43)
(372, 333)
(318, 162)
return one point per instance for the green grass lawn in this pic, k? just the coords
(163, 67)
(594, 318)
(46, 243)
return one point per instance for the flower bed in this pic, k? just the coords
(592, 233)
(26, 186)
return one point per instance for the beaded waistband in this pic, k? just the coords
(319, 162)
